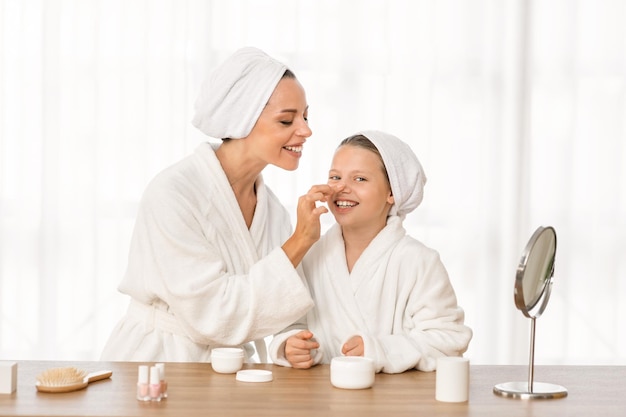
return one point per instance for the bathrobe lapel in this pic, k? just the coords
(233, 223)
(359, 292)
(372, 258)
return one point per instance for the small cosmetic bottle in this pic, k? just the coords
(161, 367)
(155, 384)
(143, 386)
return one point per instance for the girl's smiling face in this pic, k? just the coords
(366, 197)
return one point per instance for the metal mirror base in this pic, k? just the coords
(540, 390)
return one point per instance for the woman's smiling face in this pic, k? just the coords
(282, 128)
(366, 197)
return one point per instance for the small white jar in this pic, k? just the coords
(352, 372)
(227, 360)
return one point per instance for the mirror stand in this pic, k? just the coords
(530, 389)
(533, 284)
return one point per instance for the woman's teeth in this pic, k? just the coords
(345, 203)
(294, 148)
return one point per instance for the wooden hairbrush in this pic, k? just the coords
(67, 379)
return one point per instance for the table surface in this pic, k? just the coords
(195, 390)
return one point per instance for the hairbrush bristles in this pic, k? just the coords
(61, 376)
(67, 379)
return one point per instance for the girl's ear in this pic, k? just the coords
(390, 199)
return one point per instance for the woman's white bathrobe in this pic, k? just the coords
(398, 298)
(197, 276)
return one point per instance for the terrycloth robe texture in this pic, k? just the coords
(197, 276)
(398, 297)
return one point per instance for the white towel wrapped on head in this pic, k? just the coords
(235, 93)
(406, 175)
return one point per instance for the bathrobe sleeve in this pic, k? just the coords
(429, 322)
(276, 348)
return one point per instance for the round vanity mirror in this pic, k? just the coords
(533, 280)
(533, 283)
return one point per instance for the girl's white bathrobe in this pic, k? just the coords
(197, 276)
(398, 298)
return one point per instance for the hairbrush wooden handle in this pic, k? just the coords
(97, 376)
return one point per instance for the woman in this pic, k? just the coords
(212, 261)
(378, 292)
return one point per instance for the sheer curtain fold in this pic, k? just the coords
(516, 110)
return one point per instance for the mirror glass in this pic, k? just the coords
(534, 273)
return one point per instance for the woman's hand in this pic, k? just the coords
(298, 349)
(308, 221)
(308, 227)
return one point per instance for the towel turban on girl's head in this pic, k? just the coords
(405, 172)
(235, 93)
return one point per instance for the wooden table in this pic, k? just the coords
(195, 390)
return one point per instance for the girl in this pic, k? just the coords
(378, 292)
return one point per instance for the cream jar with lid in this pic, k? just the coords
(352, 372)
(227, 360)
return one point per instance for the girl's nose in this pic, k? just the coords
(338, 187)
(342, 187)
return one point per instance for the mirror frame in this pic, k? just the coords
(538, 304)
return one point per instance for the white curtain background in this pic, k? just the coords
(517, 110)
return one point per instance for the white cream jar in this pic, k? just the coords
(352, 372)
(227, 360)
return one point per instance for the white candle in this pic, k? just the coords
(452, 379)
